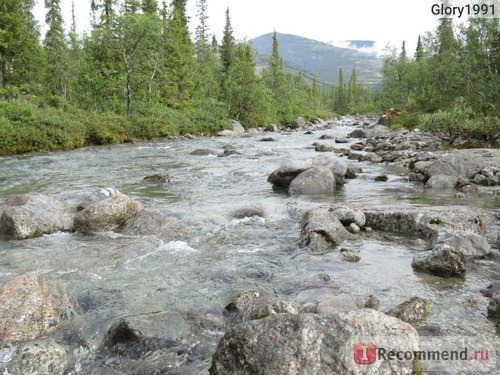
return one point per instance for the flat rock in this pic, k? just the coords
(310, 344)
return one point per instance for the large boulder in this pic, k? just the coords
(314, 181)
(31, 306)
(107, 214)
(33, 214)
(425, 222)
(236, 130)
(314, 344)
(322, 230)
(455, 165)
(470, 244)
(283, 176)
(444, 262)
(441, 181)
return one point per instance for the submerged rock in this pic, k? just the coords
(414, 310)
(322, 230)
(491, 289)
(34, 214)
(312, 344)
(445, 262)
(494, 306)
(159, 178)
(250, 211)
(157, 223)
(31, 306)
(107, 214)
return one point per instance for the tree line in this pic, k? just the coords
(451, 84)
(139, 73)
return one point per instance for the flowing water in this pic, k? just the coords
(132, 274)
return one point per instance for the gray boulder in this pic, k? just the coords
(33, 214)
(470, 244)
(415, 310)
(491, 289)
(299, 122)
(157, 179)
(203, 152)
(272, 128)
(441, 181)
(283, 176)
(310, 344)
(249, 211)
(323, 147)
(236, 130)
(314, 181)
(444, 262)
(107, 214)
(31, 306)
(321, 230)
(457, 165)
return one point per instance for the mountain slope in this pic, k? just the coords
(319, 59)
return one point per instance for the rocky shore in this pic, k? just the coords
(256, 332)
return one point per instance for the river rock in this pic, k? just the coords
(283, 176)
(272, 128)
(31, 306)
(494, 306)
(203, 152)
(348, 216)
(236, 130)
(40, 357)
(491, 289)
(323, 147)
(470, 244)
(157, 179)
(34, 214)
(444, 262)
(456, 165)
(157, 223)
(341, 302)
(349, 256)
(415, 310)
(322, 230)
(314, 181)
(249, 211)
(107, 214)
(425, 222)
(441, 181)
(371, 157)
(310, 344)
(299, 122)
(251, 305)
(327, 136)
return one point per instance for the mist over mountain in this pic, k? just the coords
(322, 60)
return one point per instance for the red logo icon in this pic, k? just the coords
(365, 353)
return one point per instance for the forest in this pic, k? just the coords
(140, 74)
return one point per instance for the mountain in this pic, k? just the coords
(321, 60)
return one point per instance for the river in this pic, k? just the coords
(115, 275)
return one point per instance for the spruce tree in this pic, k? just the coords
(20, 51)
(149, 6)
(56, 50)
(227, 49)
(419, 52)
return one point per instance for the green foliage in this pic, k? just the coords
(452, 83)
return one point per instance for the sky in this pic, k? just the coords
(384, 21)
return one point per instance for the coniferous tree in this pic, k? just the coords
(149, 6)
(227, 49)
(56, 50)
(419, 52)
(20, 51)
(178, 70)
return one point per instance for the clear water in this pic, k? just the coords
(133, 274)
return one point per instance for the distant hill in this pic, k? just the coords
(321, 60)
